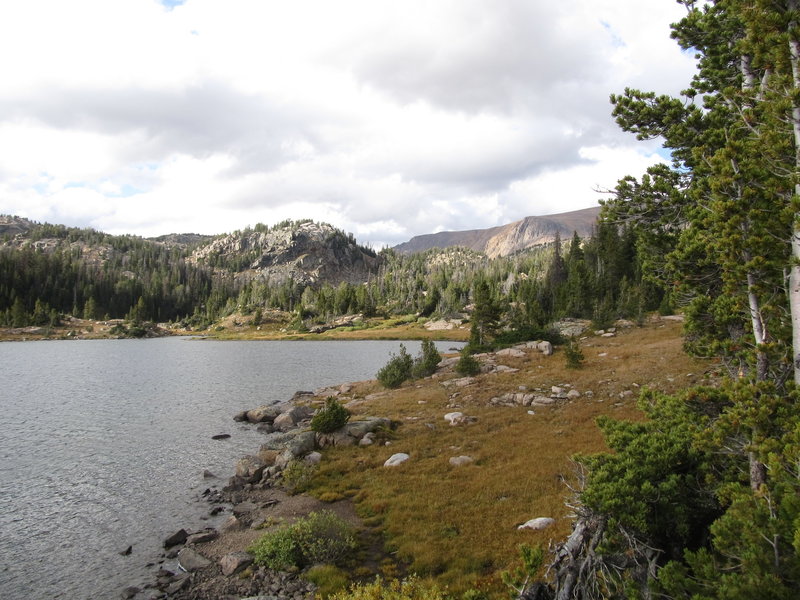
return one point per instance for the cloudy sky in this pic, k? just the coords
(388, 119)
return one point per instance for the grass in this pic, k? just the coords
(459, 524)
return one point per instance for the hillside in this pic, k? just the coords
(505, 240)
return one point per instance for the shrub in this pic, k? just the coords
(411, 588)
(331, 417)
(425, 364)
(277, 549)
(321, 537)
(397, 370)
(573, 354)
(297, 476)
(467, 365)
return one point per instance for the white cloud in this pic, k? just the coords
(388, 119)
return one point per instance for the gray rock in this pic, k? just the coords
(232, 524)
(511, 352)
(358, 429)
(301, 444)
(460, 461)
(235, 562)
(240, 416)
(179, 537)
(130, 592)
(265, 428)
(265, 413)
(290, 418)
(190, 560)
(313, 458)
(177, 585)
(538, 523)
(202, 537)
(396, 459)
(250, 468)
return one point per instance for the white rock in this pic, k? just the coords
(573, 394)
(460, 461)
(545, 348)
(555, 390)
(454, 418)
(313, 458)
(538, 523)
(396, 459)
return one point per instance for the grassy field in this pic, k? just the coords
(459, 524)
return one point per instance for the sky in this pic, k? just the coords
(386, 119)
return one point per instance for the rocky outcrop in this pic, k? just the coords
(304, 252)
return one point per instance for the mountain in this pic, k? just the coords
(509, 239)
(301, 251)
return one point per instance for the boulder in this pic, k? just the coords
(301, 444)
(179, 537)
(460, 461)
(538, 523)
(454, 418)
(232, 524)
(573, 394)
(189, 560)
(290, 418)
(265, 413)
(250, 468)
(542, 401)
(202, 537)
(367, 440)
(358, 429)
(511, 352)
(235, 562)
(396, 459)
(545, 348)
(313, 458)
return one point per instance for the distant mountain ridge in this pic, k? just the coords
(504, 240)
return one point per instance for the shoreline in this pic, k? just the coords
(211, 563)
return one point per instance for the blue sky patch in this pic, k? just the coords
(170, 4)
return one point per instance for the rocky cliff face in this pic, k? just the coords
(304, 252)
(508, 239)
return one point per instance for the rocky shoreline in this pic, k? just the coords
(211, 563)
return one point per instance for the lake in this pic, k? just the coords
(104, 444)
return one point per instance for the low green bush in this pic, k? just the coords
(397, 370)
(425, 364)
(331, 417)
(320, 538)
(467, 365)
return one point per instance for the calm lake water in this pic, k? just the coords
(104, 443)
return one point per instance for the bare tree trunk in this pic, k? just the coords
(794, 275)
